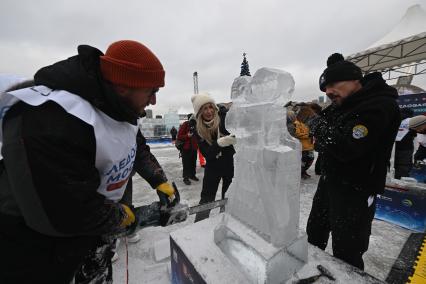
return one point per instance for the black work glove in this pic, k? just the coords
(164, 198)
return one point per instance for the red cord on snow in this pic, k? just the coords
(127, 261)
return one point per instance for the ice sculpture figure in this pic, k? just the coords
(265, 191)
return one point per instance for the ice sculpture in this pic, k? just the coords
(265, 191)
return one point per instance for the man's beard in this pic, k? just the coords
(139, 112)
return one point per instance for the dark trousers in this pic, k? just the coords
(318, 165)
(307, 160)
(420, 153)
(211, 182)
(403, 163)
(30, 257)
(189, 162)
(342, 210)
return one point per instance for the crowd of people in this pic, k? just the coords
(71, 143)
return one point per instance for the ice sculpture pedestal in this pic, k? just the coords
(223, 250)
(259, 260)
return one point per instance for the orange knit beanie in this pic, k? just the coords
(131, 64)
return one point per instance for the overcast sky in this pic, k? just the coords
(196, 35)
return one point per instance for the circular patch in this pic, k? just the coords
(407, 202)
(359, 131)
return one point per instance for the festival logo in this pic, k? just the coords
(119, 173)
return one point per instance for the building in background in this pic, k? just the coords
(171, 119)
(183, 116)
(160, 125)
(148, 113)
(153, 127)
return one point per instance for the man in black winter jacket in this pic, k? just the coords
(68, 147)
(354, 135)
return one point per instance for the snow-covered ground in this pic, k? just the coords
(146, 266)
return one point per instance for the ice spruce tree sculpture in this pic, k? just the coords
(245, 69)
(264, 195)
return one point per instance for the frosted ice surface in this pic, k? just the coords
(244, 257)
(240, 87)
(271, 85)
(265, 191)
(162, 249)
(257, 116)
(257, 259)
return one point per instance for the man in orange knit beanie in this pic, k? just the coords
(134, 71)
(68, 145)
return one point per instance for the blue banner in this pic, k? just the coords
(183, 271)
(416, 102)
(405, 207)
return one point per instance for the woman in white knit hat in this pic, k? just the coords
(216, 145)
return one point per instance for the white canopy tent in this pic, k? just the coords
(401, 52)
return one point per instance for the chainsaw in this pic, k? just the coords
(157, 214)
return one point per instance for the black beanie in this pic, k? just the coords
(338, 69)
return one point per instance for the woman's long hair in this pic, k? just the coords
(208, 129)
